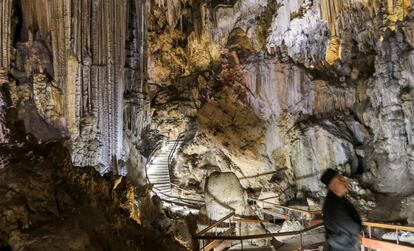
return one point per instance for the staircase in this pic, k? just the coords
(158, 174)
(158, 171)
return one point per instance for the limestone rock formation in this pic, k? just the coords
(224, 195)
(293, 87)
(269, 93)
(78, 63)
(50, 204)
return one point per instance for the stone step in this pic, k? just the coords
(165, 180)
(155, 171)
(158, 180)
(160, 161)
(163, 159)
(163, 186)
(158, 164)
(158, 169)
(158, 173)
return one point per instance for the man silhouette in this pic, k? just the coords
(341, 219)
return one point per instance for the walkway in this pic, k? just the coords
(158, 174)
(310, 238)
(158, 171)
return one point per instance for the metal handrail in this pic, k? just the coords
(177, 197)
(258, 236)
(170, 156)
(151, 158)
(257, 175)
(205, 230)
(214, 243)
(184, 201)
(388, 226)
(369, 225)
(201, 235)
(187, 191)
(310, 212)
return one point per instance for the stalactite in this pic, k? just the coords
(331, 12)
(136, 105)
(5, 32)
(87, 43)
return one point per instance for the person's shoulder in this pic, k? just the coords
(331, 201)
(330, 196)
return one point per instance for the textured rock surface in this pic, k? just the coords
(50, 204)
(223, 195)
(284, 89)
(82, 66)
(407, 212)
(273, 91)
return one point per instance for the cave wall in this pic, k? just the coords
(75, 70)
(277, 90)
(289, 87)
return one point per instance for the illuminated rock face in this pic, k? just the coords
(273, 90)
(290, 87)
(224, 195)
(83, 66)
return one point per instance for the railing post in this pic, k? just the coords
(369, 232)
(398, 241)
(362, 245)
(240, 234)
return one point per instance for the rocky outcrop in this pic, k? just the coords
(50, 204)
(223, 195)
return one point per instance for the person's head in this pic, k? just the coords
(335, 182)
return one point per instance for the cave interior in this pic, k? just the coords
(188, 124)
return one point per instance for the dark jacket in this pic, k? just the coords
(342, 223)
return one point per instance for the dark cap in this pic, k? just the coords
(328, 175)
